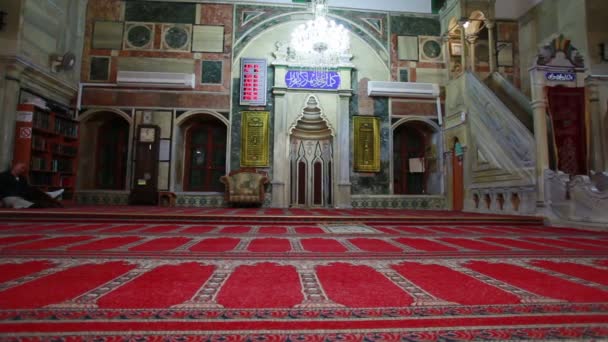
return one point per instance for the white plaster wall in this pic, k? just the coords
(368, 61)
(513, 9)
(597, 27)
(53, 27)
(542, 23)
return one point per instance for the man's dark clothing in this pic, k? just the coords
(11, 186)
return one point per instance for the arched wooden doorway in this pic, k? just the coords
(409, 167)
(111, 156)
(205, 154)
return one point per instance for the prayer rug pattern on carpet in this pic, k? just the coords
(301, 282)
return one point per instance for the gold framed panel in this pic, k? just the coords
(366, 143)
(254, 139)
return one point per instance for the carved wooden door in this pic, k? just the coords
(567, 109)
(311, 172)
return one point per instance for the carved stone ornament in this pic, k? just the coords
(560, 52)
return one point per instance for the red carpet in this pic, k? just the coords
(14, 271)
(268, 286)
(299, 280)
(323, 246)
(215, 245)
(159, 287)
(108, 243)
(360, 287)
(425, 245)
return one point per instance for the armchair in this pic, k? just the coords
(244, 186)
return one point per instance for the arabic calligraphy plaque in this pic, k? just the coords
(367, 143)
(309, 79)
(254, 139)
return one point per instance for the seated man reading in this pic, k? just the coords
(16, 193)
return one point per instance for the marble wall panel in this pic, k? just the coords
(163, 176)
(211, 72)
(100, 69)
(366, 103)
(404, 75)
(156, 64)
(378, 182)
(413, 107)
(107, 35)
(126, 98)
(438, 76)
(107, 10)
(407, 48)
(409, 25)
(206, 38)
(162, 12)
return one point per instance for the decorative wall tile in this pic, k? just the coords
(252, 15)
(247, 16)
(431, 49)
(400, 202)
(100, 69)
(161, 12)
(206, 38)
(375, 23)
(107, 35)
(404, 75)
(139, 36)
(200, 201)
(101, 197)
(407, 48)
(176, 37)
(211, 72)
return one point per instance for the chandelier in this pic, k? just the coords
(320, 43)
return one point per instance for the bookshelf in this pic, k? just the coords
(47, 141)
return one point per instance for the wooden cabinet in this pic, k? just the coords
(47, 141)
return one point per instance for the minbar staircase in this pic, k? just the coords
(502, 150)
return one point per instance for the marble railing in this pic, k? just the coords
(512, 200)
(497, 131)
(581, 199)
(503, 181)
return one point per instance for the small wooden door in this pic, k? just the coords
(457, 177)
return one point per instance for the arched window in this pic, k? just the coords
(205, 154)
(111, 156)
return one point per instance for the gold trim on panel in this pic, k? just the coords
(366, 143)
(254, 139)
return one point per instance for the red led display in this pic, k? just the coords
(253, 81)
